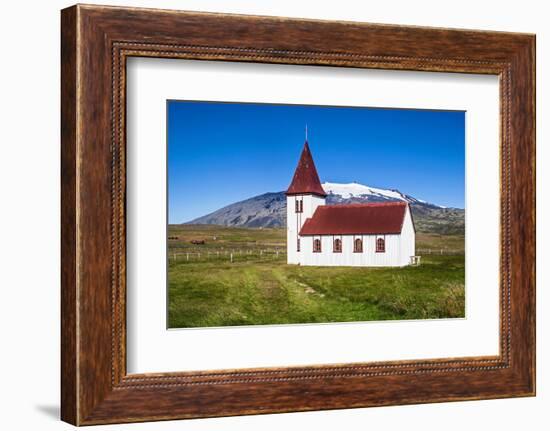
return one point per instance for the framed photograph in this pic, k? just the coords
(266, 215)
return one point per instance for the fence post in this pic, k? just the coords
(187, 257)
(231, 257)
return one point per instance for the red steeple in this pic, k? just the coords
(306, 180)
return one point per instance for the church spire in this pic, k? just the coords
(306, 179)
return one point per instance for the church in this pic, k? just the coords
(371, 234)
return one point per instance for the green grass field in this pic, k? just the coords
(239, 276)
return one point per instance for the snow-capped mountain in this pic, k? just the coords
(269, 209)
(352, 191)
(355, 190)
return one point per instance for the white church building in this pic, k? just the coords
(371, 234)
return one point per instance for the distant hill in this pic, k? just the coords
(269, 209)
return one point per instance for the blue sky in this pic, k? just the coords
(221, 153)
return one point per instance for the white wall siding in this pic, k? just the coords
(408, 239)
(369, 256)
(295, 221)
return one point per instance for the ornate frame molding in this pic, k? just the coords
(96, 41)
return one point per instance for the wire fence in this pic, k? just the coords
(263, 254)
(440, 251)
(235, 255)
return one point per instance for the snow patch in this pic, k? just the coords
(359, 190)
(356, 190)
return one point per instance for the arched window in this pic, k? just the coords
(358, 245)
(337, 245)
(299, 206)
(298, 244)
(380, 245)
(316, 246)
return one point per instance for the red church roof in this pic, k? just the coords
(305, 180)
(356, 219)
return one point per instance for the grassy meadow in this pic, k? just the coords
(239, 276)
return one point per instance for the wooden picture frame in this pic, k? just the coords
(95, 43)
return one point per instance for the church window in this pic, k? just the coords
(358, 245)
(337, 247)
(380, 245)
(316, 245)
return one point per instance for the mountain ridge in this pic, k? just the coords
(269, 209)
